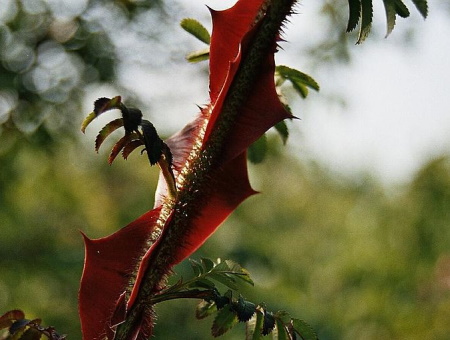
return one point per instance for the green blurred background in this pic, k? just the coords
(354, 257)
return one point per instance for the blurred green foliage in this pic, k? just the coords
(354, 259)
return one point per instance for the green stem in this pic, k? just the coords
(184, 208)
(189, 294)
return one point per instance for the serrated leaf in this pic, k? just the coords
(240, 272)
(304, 330)
(282, 130)
(225, 320)
(268, 323)
(422, 6)
(195, 28)
(121, 143)
(105, 104)
(258, 150)
(205, 309)
(224, 279)
(130, 147)
(106, 131)
(401, 9)
(389, 6)
(244, 309)
(297, 77)
(366, 20)
(207, 264)
(354, 7)
(197, 56)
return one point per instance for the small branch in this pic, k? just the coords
(209, 294)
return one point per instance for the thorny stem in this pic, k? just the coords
(185, 205)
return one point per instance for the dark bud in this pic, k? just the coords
(132, 118)
(221, 301)
(153, 144)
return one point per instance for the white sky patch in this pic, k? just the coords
(398, 107)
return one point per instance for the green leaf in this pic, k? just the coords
(354, 14)
(197, 56)
(202, 283)
(301, 89)
(196, 267)
(282, 130)
(297, 77)
(205, 309)
(366, 20)
(401, 9)
(258, 150)
(226, 318)
(241, 273)
(254, 327)
(389, 6)
(207, 264)
(422, 6)
(90, 117)
(283, 316)
(304, 330)
(225, 280)
(195, 28)
(282, 333)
